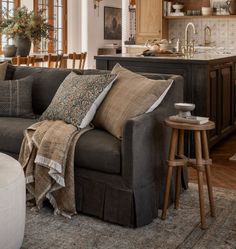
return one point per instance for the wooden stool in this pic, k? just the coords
(201, 163)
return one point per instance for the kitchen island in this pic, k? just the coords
(209, 82)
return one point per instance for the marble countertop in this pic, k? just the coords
(201, 57)
(202, 53)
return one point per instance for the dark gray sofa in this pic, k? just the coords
(118, 181)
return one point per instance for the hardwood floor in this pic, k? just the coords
(223, 170)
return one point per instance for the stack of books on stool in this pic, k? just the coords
(189, 119)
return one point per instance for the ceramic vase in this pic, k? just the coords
(23, 45)
(9, 50)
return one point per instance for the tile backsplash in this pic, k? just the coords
(223, 30)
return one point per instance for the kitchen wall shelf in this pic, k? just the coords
(194, 17)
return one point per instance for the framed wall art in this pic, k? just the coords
(112, 23)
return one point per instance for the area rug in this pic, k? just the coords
(233, 158)
(181, 229)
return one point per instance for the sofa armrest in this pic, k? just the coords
(146, 141)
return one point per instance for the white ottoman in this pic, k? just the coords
(12, 203)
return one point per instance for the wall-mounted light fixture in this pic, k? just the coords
(96, 4)
(132, 2)
(132, 5)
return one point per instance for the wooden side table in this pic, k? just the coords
(201, 163)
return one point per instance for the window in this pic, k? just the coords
(56, 13)
(7, 5)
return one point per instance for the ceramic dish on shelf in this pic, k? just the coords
(177, 7)
(206, 11)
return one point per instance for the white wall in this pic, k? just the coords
(125, 23)
(96, 28)
(74, 25)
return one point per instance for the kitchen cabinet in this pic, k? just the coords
(227, 97)
(222, 98)
(213, 101)
(149, 22)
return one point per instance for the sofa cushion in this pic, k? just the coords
(131, 95)
(16, 97)
(11, 134)
(78, 97)
(46, 80)
(43, 78)
(41, 86)
(98, 150)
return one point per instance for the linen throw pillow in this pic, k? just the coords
(3, 70)
(16, 97)
(132, 95)
(78, 97)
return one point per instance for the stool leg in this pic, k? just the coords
(177, 186)
(201, 199)
(181, 143)
(173, 144)
(199, 163)
(167, 191)
(179, 169)
(208, 173)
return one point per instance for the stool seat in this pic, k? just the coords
(191, 127)
(178, 160)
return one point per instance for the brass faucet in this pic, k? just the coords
(189, 46)
(207, 35)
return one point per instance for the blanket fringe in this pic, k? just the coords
(57, 211)
(55, 168)
(49, 163)
(29, 179)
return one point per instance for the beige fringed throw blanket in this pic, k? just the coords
(47, 156)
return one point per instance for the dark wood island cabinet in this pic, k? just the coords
(209, 83)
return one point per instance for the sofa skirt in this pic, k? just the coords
(114, 202)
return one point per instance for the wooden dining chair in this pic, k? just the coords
(54, 61)
(81, 58)
(27, 61)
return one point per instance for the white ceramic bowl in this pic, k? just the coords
(206, 11)
(177, 7)
(184, 107)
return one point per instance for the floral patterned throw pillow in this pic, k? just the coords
(78, 98)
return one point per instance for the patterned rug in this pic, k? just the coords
(233, 158)
(181, 229)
